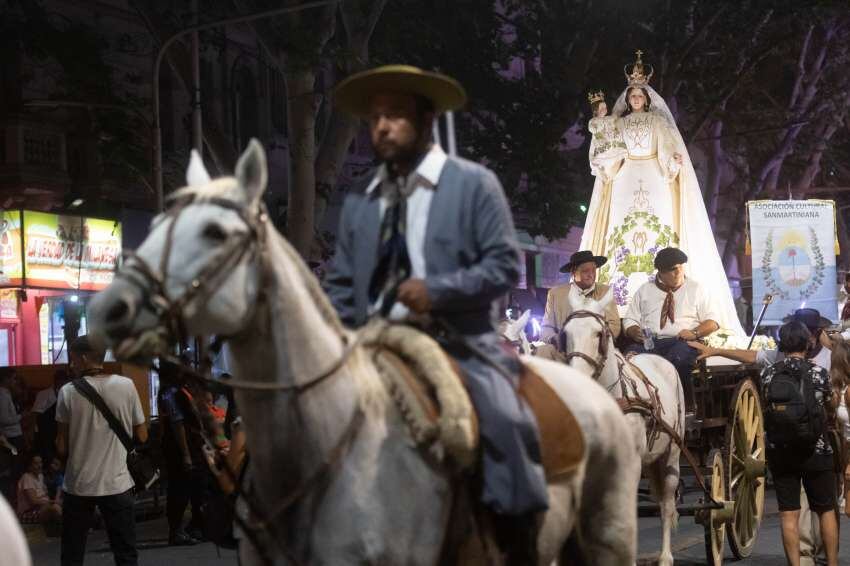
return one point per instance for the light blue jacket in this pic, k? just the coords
(471, 251)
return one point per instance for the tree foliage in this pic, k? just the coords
(753, 107)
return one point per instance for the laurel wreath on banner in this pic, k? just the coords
(767, 269)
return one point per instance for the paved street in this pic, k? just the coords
(688, 545)
(154, 551)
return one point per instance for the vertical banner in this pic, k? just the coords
(793, 247)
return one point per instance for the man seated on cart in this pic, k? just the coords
(673, 309)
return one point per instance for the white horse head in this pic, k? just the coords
(583, 334)
(192, 248)
(514, 332)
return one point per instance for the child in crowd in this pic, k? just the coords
(34, 503)
(53, 478)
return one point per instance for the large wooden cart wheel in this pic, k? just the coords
(745, 458)
(715, 532)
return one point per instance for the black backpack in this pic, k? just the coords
(793, 417)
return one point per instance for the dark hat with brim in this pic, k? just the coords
(668, 257)
(809, 317)
(354, 94)
(583, 256)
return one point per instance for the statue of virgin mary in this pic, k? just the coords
(647, 198)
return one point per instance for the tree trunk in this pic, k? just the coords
(301, 106)
(333, 151)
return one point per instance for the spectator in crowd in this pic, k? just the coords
(10, 430)
(183, 454)
(841, 395)
(96, 474)
(215, 424)
(44, 409)
(54, 476)
(34, 503)
(790, 460)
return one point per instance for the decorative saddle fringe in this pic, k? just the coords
(450, 429)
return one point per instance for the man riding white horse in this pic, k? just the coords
(582, 269)
(431, 237)
(673, 309)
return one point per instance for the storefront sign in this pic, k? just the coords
(793, 247)
(60, 252)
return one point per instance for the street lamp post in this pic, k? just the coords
(157, 131)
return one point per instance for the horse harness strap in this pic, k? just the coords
(602, 349)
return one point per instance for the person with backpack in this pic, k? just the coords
(818, 352)
(796, 394)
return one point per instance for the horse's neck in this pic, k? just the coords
(292, 340)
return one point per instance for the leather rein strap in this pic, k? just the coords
(602, 348)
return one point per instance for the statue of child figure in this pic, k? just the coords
(607, 147)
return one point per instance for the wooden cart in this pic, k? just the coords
(727, 437)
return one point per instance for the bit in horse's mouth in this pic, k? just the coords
(147, 344)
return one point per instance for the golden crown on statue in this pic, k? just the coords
(595, 96)
(638, 75)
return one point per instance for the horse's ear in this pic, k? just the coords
(196, 173)
(606, 299)
(252, 173)
(574, 298)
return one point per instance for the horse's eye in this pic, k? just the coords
(214, 232)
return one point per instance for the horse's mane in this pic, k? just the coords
(315, 291)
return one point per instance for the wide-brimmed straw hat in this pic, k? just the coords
(354, 94)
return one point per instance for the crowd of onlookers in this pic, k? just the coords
(31, 473)
(62, 466)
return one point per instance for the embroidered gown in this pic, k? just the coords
(642, 201)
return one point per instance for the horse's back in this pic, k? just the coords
(605, 531)
(594, 408)
(662, 375)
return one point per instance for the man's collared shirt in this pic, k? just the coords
(692, 307)
(425, 180)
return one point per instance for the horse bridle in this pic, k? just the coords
(602, 346)
(169, 314)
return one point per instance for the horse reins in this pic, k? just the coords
(169, 314)
(602, 347)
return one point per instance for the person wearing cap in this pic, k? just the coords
(582, 269)
(431, 236)
(673, 309)
(96, 473)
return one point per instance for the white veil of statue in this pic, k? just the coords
(629, 226)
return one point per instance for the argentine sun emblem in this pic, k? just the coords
(794, 269)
